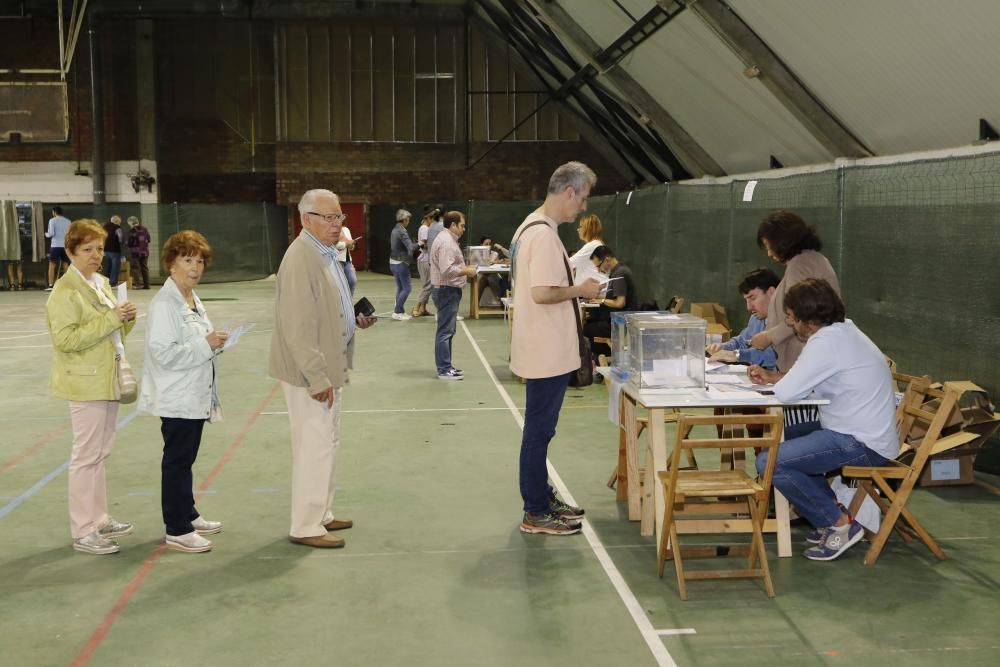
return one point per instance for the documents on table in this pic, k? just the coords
(730, 393)
(725, 378)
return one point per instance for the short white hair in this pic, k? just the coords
(403, 214)
(306, 203)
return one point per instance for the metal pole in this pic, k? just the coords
(97, 114)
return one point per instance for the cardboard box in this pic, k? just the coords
(969, 426)
(715, 315)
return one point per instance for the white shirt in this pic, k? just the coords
(341, 246)
(581, 264)
(841, 364)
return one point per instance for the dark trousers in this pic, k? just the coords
(597, 329)
(140, 269)
(181, 440)
(401, 272)
(541, 414)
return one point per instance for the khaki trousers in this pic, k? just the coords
(93, 439)
(315, 440)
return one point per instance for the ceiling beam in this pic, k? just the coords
(644, 108)
(581, 124)
(778, 79)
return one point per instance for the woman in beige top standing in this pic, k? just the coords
(788, 240)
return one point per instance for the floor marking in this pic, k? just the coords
(19, 500)
(31, 335)
(95, 640)
(653, 641)
(34, 447)
(676, 631)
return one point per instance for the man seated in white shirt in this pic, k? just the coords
(858, 427)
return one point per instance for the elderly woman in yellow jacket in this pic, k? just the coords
(88, 327)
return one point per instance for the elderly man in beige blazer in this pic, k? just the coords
(312, 347)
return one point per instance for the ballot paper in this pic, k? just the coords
(715, 365)
(235, 333)
(724, 393)
(725, 378)
(122, 293)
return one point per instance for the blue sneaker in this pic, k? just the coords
(816, 535)
(836, 542)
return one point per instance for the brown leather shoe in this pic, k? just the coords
(338, 524)
(320, 541)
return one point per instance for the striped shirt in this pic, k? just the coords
(329, 253)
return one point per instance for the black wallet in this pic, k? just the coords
(364, 307)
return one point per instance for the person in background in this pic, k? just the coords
(590, 232)
(400, 253)
(449, 273)
(58, 259)
(312, 350)
(180, 385)
(841, 364)
(620, 296)
(545, 345)
(424, 267)
(88, 328)
(138, 247)
(757, 288)
(498, 282)
(113, 248)
(344, 247)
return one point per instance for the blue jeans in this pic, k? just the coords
(351, 274)
(113, 263)
(446, 299)
(541, 414)
(401, 272)
(804, 458)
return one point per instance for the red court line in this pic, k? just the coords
(88, 650)
(32, 448)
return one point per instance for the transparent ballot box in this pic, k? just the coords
(478, 255)
(666, 351)
(619, 346)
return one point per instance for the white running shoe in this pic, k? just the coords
(96, 544)
(402, 317)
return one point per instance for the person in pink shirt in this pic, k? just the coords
(449, 273)
(544, 348)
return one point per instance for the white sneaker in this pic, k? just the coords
(191, 543)
(203, 526)
(96, 544)
(459, 318)
(402, 317)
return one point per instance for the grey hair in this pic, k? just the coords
(133, 221)
(117, 219)
(402, 214)
(306, 203)
(575, 175)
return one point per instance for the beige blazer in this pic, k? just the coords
(309, 345)
(807, 264)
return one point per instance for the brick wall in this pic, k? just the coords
(393, 173)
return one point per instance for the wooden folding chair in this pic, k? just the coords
(913, 411)
(690, 493)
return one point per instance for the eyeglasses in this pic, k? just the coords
(329, 217)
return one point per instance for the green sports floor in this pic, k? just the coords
(435, 571)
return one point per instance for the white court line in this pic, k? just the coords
(656, 646)
(388, 410)
(676, 631)
(31, 335)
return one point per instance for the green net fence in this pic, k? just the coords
(248, 240)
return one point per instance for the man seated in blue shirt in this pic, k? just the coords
(757, 288)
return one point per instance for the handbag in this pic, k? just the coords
(584, 375)
(128, 385)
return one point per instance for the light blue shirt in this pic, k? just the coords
(337, 271)
(749, 355)
(57, 231)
